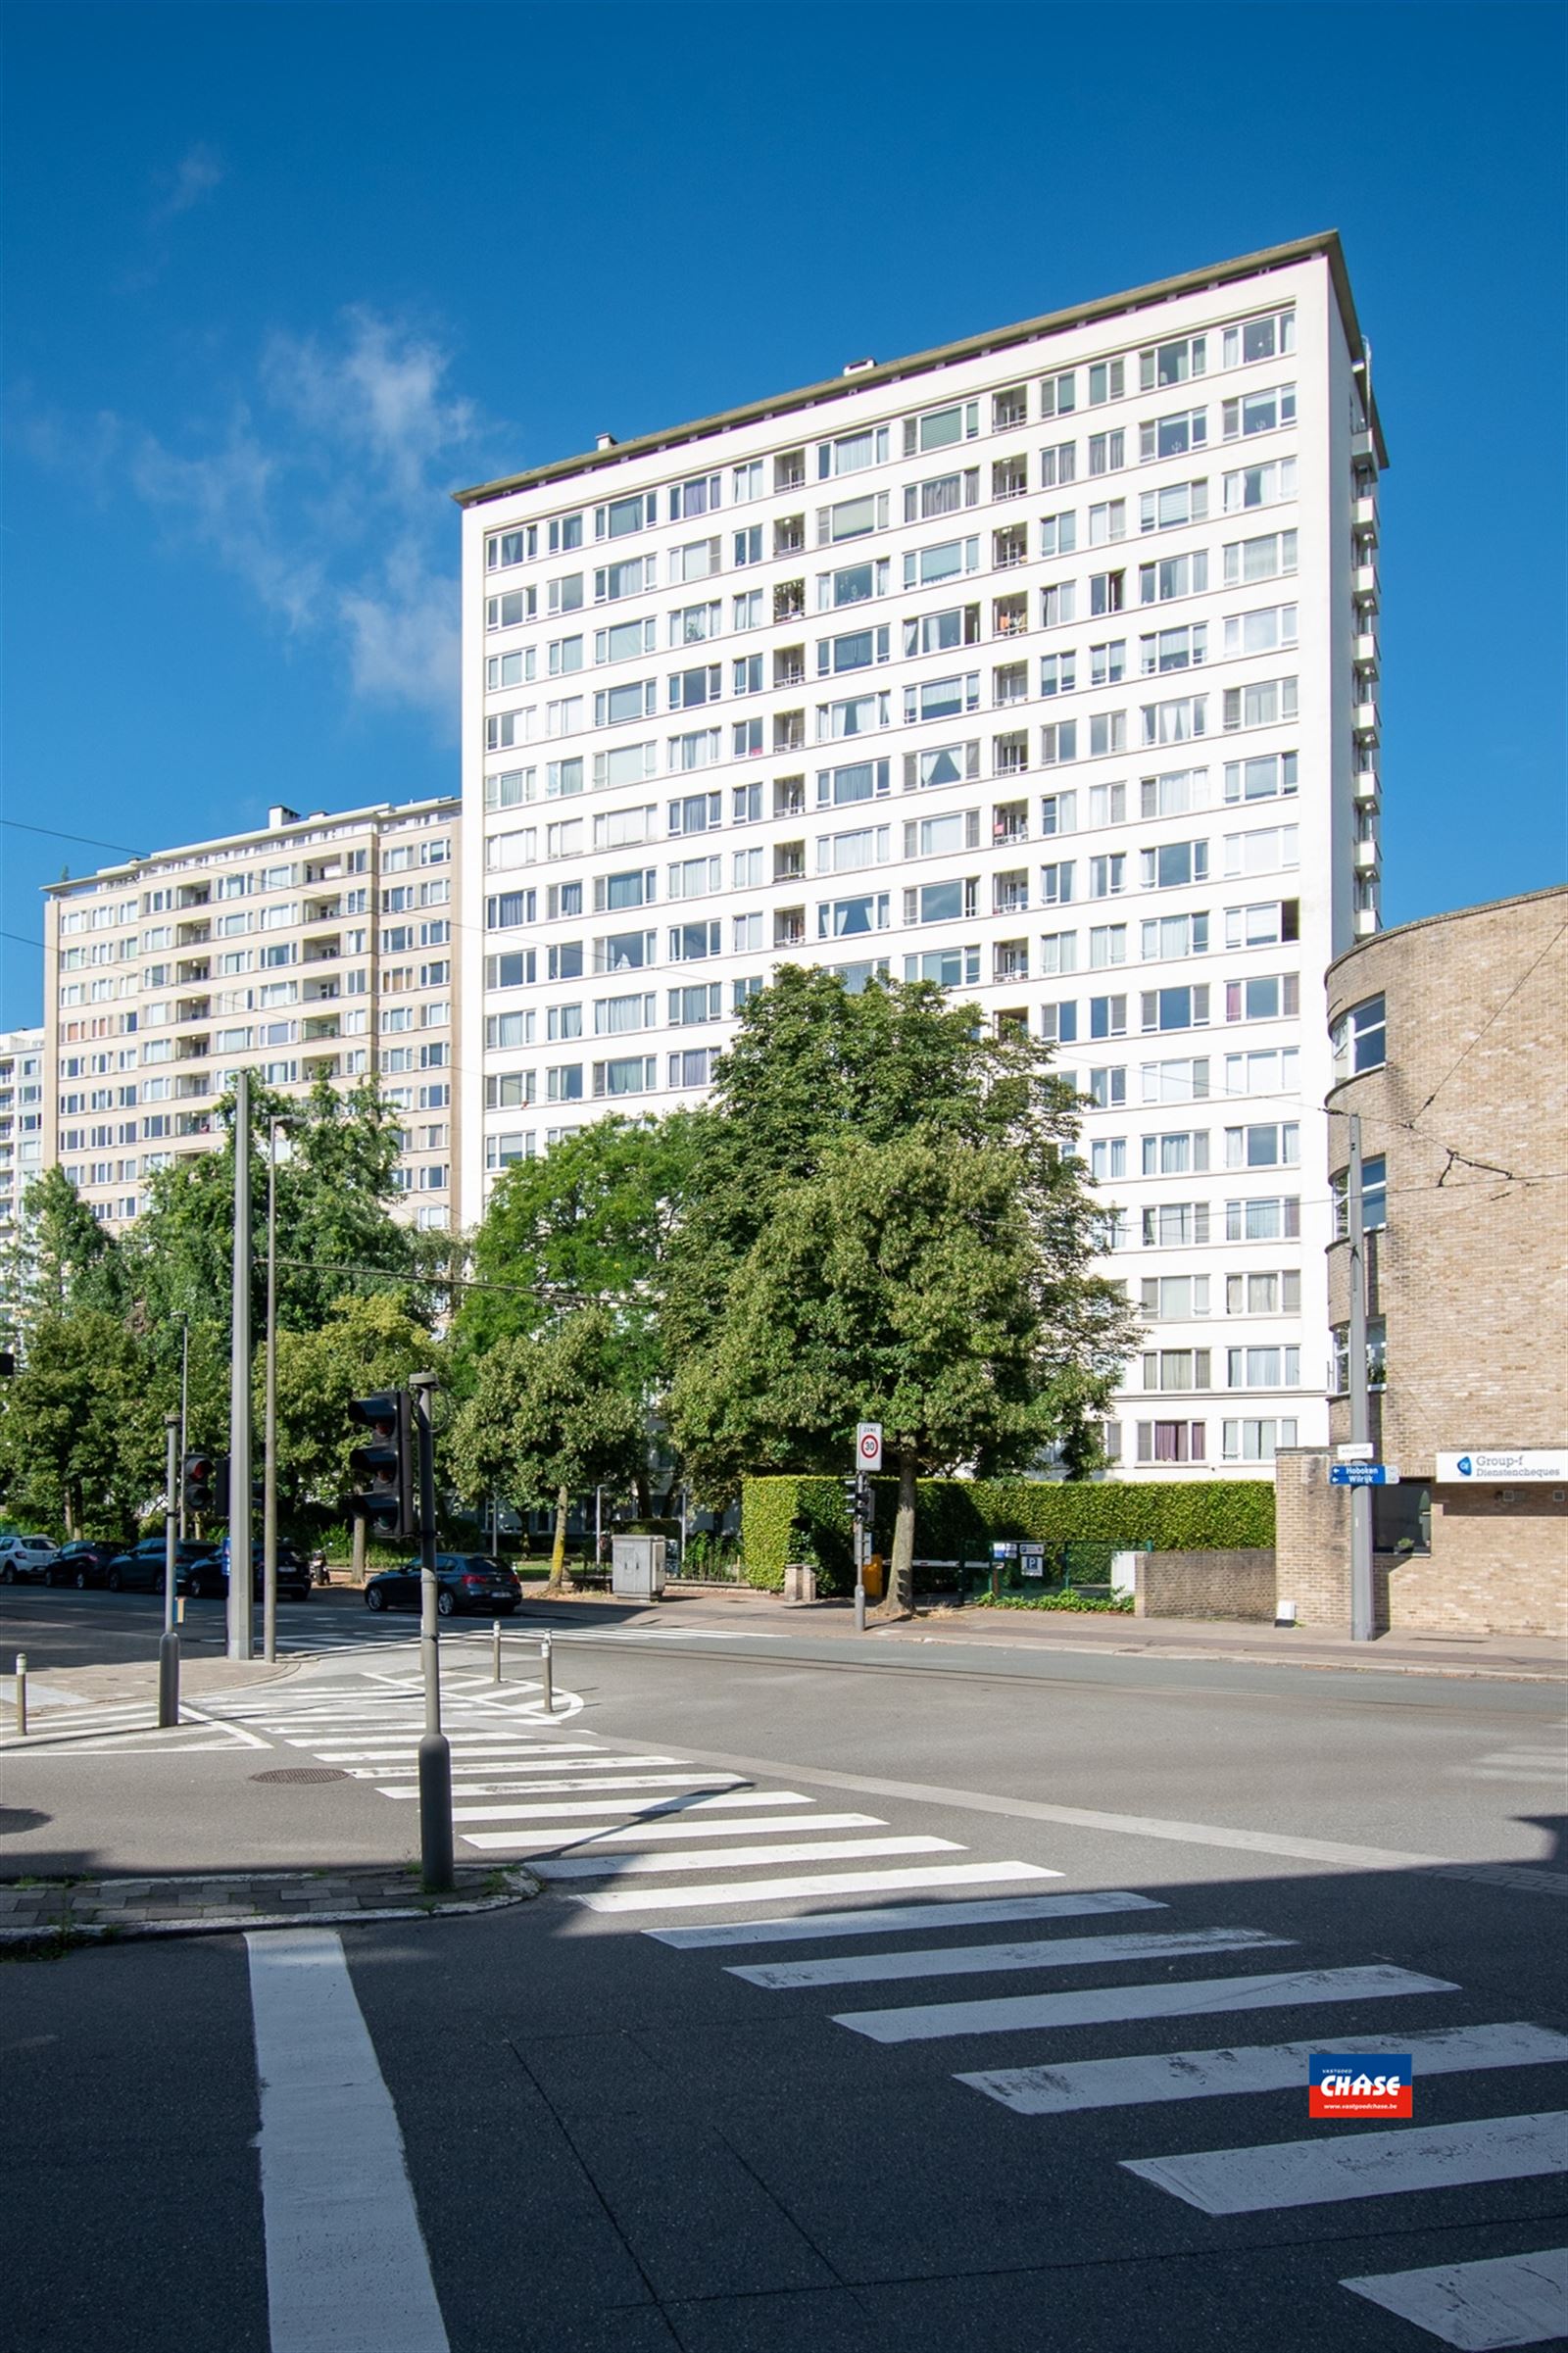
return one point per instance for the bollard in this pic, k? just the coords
(169, 1679)
(21, 1694)
(547, 1675)
(495, 1650)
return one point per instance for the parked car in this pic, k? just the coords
(139, 1569)
(464, 1580)
(82, 1563)
(24, 1556)
(207, 1574)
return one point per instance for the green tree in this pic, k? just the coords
(549, 1417)
(81, 1427)
(60, 1258)
(901, 1283)
(362, 1346)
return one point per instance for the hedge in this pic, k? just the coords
(793, 1517)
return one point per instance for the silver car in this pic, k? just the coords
(25, 1556)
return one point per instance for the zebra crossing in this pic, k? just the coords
(642, 1838)
(62, 1726)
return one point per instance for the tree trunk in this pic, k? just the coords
(558, 1550)
(898, 1599)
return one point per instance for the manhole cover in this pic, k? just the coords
(301, 1773)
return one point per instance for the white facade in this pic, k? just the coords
(21, 1120)
(312, 946)
(1042, 664)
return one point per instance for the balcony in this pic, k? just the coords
(1009, 478)
(194, 1008)
(789, 600)
(323, 1067)
(789, 470)
(198, 968)
(319, 992)
(1010, 755)
(789, 730)
(1010, 615)
(193, 894)
(1364, 580)
(1010, 894)
(324, 951)
(191, 1049)
(1010, 410)
(323, 910)
(1364, 718)
(192, 1123)
(789, 927)
(321, 1025)
(789, 535)
(1366, 856)
(789, 862)
(1011, 961)
(1364, 649)
(1365, 786)
(193, 1089)
(1364, 514)
(1365, 921)
(1012, 685)
(789, 796)
(1009, 823)
(1009, 547)
(192, 935)
(789, 666)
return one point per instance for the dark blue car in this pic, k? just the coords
(464, 1580)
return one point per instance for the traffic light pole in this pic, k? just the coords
(241, 1631)
(435, 1752)
(169, 1646)
(269, 1425)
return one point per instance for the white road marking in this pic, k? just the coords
(1479, 2307)
(1095, 2005)
(886, 1920)
(1249, 2067)
(1361, 2165)
(816, 1883)
(346, 2265)
(604, 1833)
(406, 1750)
(985, 1960)
(635, 1781)
(629, 1809)
(809, 1850)
(1533, 1780)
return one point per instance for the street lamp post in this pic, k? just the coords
(185, 1410)
(169, 1645)
(270, 1426)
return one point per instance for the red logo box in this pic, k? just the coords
(1353, 2083)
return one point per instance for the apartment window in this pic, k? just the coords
(1374, 1196)
(857, 715)
(849, 919)
(565, 594)
(1056, 884)
(1108, 453)
(1267, 997)
(850, 453)
(851, 518)
(1266, 558)
(703, 1003)
(1108, 381)
(941, 429)
(1276, 1291)
(1175, 1225)
(1107, 521)
(1271, 776)
(1176, 362)
(1177, 503)
(1181, 1151)
(1265, 1070)
(1107, 1158)
(1058, 952)
(1176, 1368)
(1257, 1442)
(1059, 743)
(620, 1016)
(858, 649)
(693, 1066)
(1108, 663)
(1175, 723)
(1263, 1368)
(847, 853)
(1359, 1039)
(1277, 1144)
(624, 952)
(1058, 394)
(1171, 1442)
(1263, 705)
(940, 901)
(502, 549)
(928, 567)
(628, 1074)
(1174, 936)
(1260, 412)
(691, 878)
(948, 968)
(1107, 1018)
(1267, 850)
(1107, 945)
(1175, 1299)
(1268, 1218)
(1059, 674)
(861, 781)
(632, 576)
(1173, 576)
(935, 837)
(1058, 1022)
(1107, 1088)
(1107, 875)
(510, 971)
(1267, 485)
(1057, 464)
(1376, 1355)
(852, 584)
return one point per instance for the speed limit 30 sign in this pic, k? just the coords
(869, 1447)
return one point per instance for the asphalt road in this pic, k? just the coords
(612, 2141)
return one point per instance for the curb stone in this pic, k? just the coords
(49, 1936)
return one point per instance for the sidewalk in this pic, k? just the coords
(50, 1916)
(1510, 1657)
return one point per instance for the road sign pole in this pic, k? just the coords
(868, 1458)
(168, 1644)
(1362, 1627)
(435, 1751)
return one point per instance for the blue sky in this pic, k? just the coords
(280, 276)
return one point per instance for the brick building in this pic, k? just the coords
(1448, 1042)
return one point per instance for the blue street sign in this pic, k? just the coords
(1362, 1474)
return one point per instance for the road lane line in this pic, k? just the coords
(986, 1960)
(347, 2270)
(1250, 2067)
(815, 1883)
(807, 1850)
(885, 1920)
(1479, 2307)
(1095, 2005)
(1361, 2165)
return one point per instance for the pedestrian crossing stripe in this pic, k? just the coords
(986, 1960)
(887, 1920)
(1363, 2165)
(1479, 2307)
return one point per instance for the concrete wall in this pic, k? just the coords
(1206, 1585)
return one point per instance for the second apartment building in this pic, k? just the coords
(1041, 666)
(312, 946)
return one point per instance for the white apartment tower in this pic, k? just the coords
(312, 947)
(22, 1116)
(1043, 666)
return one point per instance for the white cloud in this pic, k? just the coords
(199, 171)
(323, 490)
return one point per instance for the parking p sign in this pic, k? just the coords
(869, 1447)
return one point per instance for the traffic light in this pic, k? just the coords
(385, 1491)
(851, 1495)
(206, 1485)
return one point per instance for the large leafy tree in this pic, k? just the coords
(549, 1417)
(363, 1344)
(81, 1427)
(903, 1283)
(60, 1258)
